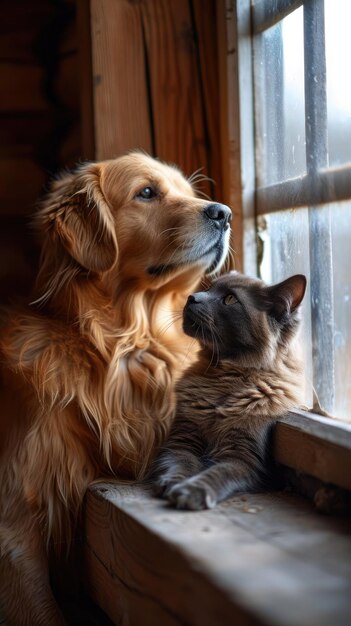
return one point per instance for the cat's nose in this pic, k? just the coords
(219, 214)
(196, 298)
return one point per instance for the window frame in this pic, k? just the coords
(305, 441)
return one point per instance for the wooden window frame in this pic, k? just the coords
(304, 441)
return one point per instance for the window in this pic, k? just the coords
(301, 171)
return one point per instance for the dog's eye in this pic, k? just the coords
(147, 193)
(230, 299)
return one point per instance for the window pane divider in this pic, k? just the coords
(320, 240)
(324, 187)
(266, 14)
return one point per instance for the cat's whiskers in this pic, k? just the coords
(191, 344)
(214, 344)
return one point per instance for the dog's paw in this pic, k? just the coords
(191, 496)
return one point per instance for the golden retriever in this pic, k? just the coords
(88, 368)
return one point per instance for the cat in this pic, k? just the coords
(246, 376)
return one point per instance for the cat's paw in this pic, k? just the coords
(162, 487)
(191, 496)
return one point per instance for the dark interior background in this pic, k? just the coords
(39, 123)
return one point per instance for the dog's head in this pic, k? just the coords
(138, 217)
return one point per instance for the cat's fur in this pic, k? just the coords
(247, 375)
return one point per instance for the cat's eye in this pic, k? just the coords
(148, 193)
(229, 299)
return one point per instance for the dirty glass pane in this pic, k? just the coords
(280, 102)
(284, 251)
(341, 238)
(338, 55)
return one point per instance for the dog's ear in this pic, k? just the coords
(81, 219)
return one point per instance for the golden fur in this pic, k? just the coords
(89, 367)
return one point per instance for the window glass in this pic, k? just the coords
(314, 241)
(284, 246)
(341, 238)
(280, 102)
(338, 55)
(284, 250)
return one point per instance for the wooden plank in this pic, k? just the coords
(205, 24)
(21, 21)
(223, 86)
(18, 259)
(177, 104)
(260, 558)
(241, 99)
(66, 84)
(85, 80)
(21, 181)
(71, 150)
(20, 132)
(230, 126)
(155, 74)
(119, 83)
(21, 88)
(320, 447)
(121, 604)
(147, 572)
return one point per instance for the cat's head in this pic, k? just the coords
(245, 320)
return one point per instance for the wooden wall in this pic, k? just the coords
(39, 122)
(92, 79)
(156, 86)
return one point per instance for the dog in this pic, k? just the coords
(89, 366)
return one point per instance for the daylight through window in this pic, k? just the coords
(302, 100)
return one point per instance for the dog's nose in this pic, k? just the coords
(220, 214)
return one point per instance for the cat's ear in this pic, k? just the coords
(285, 297)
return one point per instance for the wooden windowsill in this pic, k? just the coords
(318, 446)
(264, 558)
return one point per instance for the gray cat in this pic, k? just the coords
(246, 376)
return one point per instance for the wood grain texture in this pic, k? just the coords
(230, 124)
(263, 558)
(85, 80)
(182, 61)
(155, 69)
(119, 81)
(39, 123)
(20, 88)
(21, 181)
(320, 447)
(206, 39)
